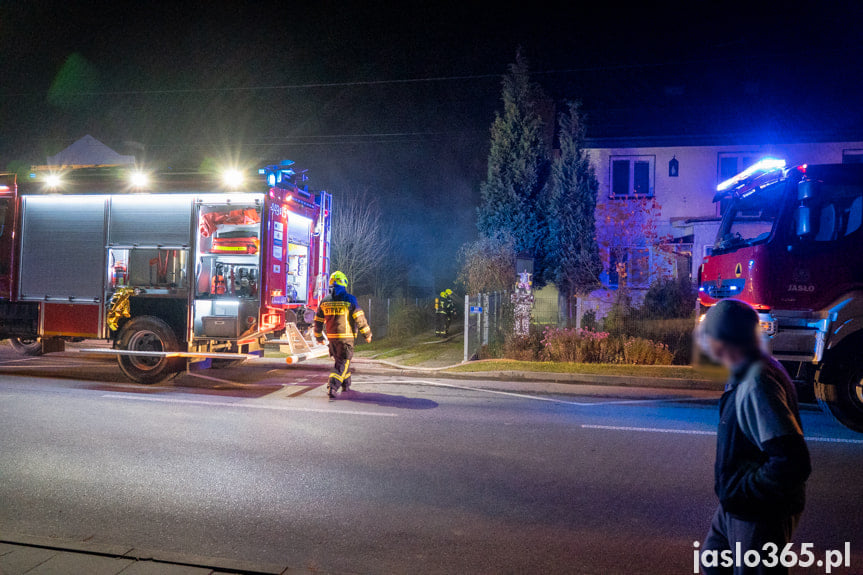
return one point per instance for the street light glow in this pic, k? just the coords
(232, 178)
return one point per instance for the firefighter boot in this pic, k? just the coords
(333, 386)
(346, 384)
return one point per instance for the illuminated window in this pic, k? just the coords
(728, 165)
(631, 176)
(732, 163)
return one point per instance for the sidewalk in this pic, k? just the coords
(20, 555)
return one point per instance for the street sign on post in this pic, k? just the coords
(475, 309)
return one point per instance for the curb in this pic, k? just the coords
(533, 376)
(219, 564)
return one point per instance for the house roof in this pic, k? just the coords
(88, 151)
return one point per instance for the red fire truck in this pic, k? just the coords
(791, 244)
(173, 268)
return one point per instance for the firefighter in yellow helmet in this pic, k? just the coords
(445, 312)
(340, 316)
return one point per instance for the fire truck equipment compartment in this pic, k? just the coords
(150, 221)
(59, 237)
(221, 326)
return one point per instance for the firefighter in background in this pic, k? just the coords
(340, 316)
(444, 312)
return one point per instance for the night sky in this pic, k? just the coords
(322, 83)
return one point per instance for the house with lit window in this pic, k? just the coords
(655, 211)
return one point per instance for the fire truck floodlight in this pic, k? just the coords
(53, 181)
(232, 178)
(139, 179)
(762, 166)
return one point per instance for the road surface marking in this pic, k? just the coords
(251, 405)
(650, 429)
(19, 360)
(210, 378)
(304, 389)
(705, 432)
(538, 397)
(45, 365)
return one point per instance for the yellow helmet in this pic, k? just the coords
(449, 292)
(338, 278)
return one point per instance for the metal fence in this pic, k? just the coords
(400, 316)
(487, 320)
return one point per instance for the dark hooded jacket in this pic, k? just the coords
(762, 462)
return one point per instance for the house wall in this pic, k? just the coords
(686, 201)
(690, 195)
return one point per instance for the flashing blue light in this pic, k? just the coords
(733, 288)
(701, 289)
(271, 180)
(765, 165)
(33, 175)
(751, 263)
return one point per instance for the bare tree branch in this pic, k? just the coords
(361, 241)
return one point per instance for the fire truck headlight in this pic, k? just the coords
(53, 181)
(232, 178)
(139, 180)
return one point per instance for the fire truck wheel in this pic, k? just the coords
(839, 391)
(26, 346)
(147, 333)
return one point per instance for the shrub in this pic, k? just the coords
(523, 348)
(589, 321)
(620, 315)
(640, 351)
(586, 346)
(676, 334)
(669, 298)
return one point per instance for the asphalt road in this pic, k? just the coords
(398, 476)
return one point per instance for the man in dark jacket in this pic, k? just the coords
(340, 316)
(762, 461)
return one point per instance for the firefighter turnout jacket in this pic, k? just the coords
(341, 316)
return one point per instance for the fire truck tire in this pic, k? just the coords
(148, 333)
(26, 346)
(839, 391)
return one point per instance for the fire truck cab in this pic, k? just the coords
(170, 268)
(791, 244)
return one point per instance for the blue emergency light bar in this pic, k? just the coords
(759, 168)
(278, 174)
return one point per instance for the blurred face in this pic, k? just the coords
(727, 354)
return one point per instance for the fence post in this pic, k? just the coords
(466, 325)
(487, 316)
(478, 323)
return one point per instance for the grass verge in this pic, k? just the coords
(667, 371)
